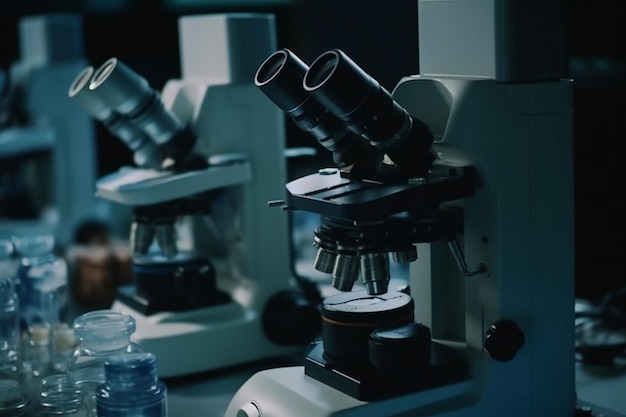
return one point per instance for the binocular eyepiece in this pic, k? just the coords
(344, 109)
(280, 78)
(126, 104)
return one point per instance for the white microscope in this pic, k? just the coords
(213, 281)
(475, 153)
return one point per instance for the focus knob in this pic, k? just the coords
(290, 318)
(503, 339)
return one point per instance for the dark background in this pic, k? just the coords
(382, 38)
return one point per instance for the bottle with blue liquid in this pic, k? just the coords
(131, 387)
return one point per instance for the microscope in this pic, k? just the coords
(47, 142)
(463, 171)
(213, 284)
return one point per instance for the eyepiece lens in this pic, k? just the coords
(321, 70)
(103, 72)
(270, 68)
(82, 79)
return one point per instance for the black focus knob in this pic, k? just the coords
(290, 318)
(503, 339)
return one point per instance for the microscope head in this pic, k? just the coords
(133, 111)
(364, 211)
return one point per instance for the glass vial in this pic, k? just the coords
(9, 313)
(41, 281)
(12, 402)
(100, 334)
(63, 341)
(131, 388)
(36, 350)
(59, 396)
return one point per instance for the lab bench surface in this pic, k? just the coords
(208, 394)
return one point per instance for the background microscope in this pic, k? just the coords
(210, 265)
(476, 154)
(47, 161)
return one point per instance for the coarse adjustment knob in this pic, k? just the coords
(503, 339)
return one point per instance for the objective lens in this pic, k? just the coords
(146, 152)
(369, 110)
(375, 272)
(280, 77)
(130, 95)
(405, 256)
(141, 237)
(165, 235)
(346, 271)
(324, 261)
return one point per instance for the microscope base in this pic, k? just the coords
(288, 392)
(203, 339)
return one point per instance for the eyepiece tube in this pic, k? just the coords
(370, 111)
(280, 77)
(130, 95)
(146, 152)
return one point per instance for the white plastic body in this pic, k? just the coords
(491, 39)
(51, 56)
(230, 116)
(519, 224)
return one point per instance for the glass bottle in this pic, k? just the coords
(9, 313)
(131, 388)
(100, 334)
(36, 350)
(59, 396)
(41, 281)
(12, 402)
(63, 341)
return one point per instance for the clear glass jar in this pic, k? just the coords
(131, 388)
(100, 334)
(12, 402)
(59, 396)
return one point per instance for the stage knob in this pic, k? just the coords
(503, 339)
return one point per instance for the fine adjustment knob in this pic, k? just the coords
(503, 339)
